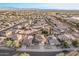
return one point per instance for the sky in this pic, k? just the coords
(64, 6)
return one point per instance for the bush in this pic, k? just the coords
(17, 44)
(24, 54)
(77, 25)
(65, 44)
(9, 43)
(12, 43)
(7, 39)
(45, 32)
(75, 43)
(60, 54)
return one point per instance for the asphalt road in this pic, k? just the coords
(10, 51)
(7, 51)
(43, 53)
(34, 51)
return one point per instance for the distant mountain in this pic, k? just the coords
(12, 8)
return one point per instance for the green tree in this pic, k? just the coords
(65, 44)
(9, 43)
(45, 32)
(17, 44)
(75, 43)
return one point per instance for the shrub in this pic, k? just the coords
(17, 44)
(12, 43)
(75, 43)
(65, 44)
(9, 43)
(77, 24)
(24, 54)
(45, 32)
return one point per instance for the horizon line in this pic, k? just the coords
(57, 6)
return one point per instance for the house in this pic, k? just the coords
(52, 40)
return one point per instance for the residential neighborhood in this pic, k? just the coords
(36, 32)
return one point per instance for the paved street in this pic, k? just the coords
(46, 49)
(7, 51)
(35, 50)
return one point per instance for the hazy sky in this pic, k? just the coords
(64, 6)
